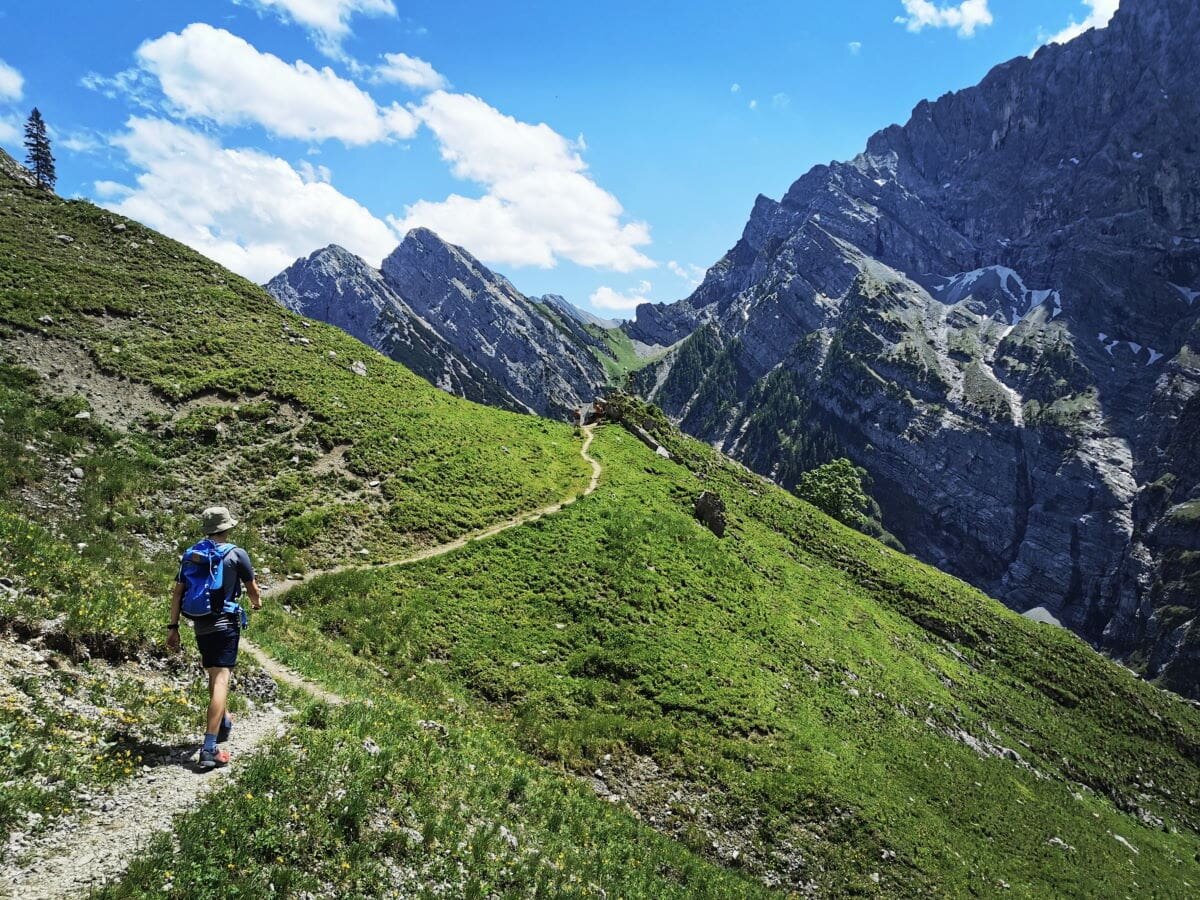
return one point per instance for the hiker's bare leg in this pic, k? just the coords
(218, 696)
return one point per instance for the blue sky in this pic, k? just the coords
(605, 151)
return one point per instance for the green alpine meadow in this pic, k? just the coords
(477, 672)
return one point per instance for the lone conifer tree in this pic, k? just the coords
(37, 146)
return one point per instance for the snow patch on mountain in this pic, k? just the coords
(1002, 292)
(1188, 294)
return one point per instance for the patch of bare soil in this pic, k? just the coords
(67, 370)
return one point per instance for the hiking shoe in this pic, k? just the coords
(212, 759)
(223, 731)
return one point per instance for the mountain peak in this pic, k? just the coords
(1019, 246)
(334, 250)
(424, 235)
(425, 240)
(424, 251)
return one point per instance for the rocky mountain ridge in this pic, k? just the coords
(335, 286)
(992, 309)
(466, 329)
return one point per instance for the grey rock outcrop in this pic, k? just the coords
(541, 360)
(992, 310)
(439, 311)
(709, 510)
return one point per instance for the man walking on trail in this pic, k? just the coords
(207, 588)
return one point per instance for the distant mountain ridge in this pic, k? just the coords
(335, 286)
(580, 315)
(438, 310)
(992, 309)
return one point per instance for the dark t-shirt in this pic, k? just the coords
(238, 570)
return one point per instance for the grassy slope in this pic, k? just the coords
(319, 811)
(733, 663)
(799, 671)
(238, 395)
(150, 310)
(625, 359)
(413, 792)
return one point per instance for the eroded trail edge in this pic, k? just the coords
(75, 857)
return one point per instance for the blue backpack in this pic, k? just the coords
(203, 579)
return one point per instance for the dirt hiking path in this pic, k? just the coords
(278, 589)
(77, 856)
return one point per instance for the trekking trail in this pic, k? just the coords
(280, 588)
(75, 857)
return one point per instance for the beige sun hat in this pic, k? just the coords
(216, 519)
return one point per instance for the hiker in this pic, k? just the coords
(577, 416)
(207, 588)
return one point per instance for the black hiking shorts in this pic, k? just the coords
(219, 649)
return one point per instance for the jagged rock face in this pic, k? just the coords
(335, 286)
(439, 311)
(993, 310)
(544, 361)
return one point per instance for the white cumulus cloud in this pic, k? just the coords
(539, 205)
(250, 211)
(12, 85)
(608, 299)
(410, 72)
(967, 16)
(1101, 13)
(690, 273)
(10, 130)
(328, 21)
(208, 73)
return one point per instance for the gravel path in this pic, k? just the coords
(79, 855)
(282, 673)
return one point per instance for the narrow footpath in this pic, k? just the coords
(76, 856)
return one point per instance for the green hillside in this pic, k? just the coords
(607, 701)
(622, 359)
(248, 401)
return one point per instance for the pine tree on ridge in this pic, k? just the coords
(37, 146)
